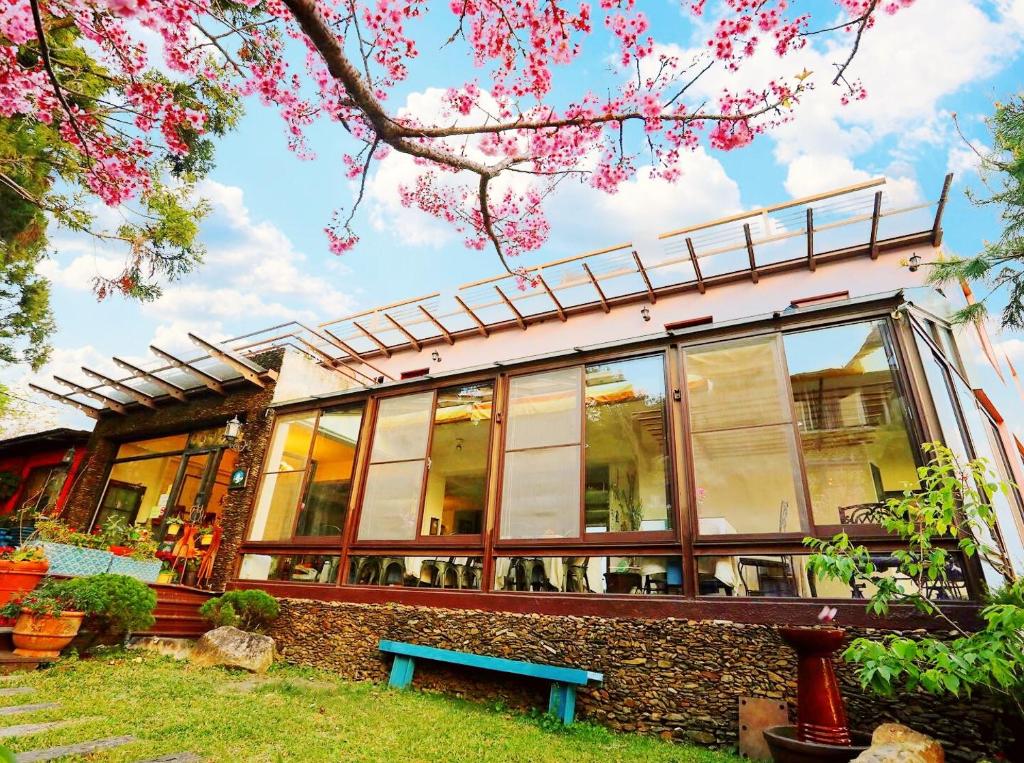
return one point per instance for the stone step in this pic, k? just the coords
(24, 729)
(175, 757)
(14, 691)
(80, 748)
(18, 709)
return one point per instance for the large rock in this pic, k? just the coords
(233, 648)
(895, 743)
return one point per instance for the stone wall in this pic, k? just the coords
(205, 409)
(679, 679)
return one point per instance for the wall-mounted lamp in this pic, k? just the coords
(232, 429)
(914, 262)
(435, 356)
(645, 313)
(69, 455)
(458, 444)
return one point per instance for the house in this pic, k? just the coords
(610, 460)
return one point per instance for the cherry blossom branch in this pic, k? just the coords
(44, 54)
(864, 21)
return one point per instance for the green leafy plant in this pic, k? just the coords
(125, 604)
(54, 597)
(54, 531)
(251, 610)
(116, 532)
(952, 504)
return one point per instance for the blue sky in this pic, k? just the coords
(268, 259)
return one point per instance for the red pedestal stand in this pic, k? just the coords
(821, 716)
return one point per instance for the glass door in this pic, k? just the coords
(201, 477)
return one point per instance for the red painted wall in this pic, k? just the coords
(22, 464)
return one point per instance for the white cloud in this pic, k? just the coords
(808, 175)
(964, 159)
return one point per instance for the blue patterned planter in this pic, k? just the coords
(76, 561)
(145, 570)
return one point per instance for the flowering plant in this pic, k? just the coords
(53, 530)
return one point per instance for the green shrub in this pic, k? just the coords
(251, 610)
(120, 604)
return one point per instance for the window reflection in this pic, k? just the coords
(296, 568)
(590, 574)
(457, 471)
(451, 572)
(744, 455)
(788, 577)
(856, 443)
(626, 450)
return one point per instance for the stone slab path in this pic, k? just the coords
(14, 691)
(176, 757)
(24, 729)
(81, 748)
(34, 707)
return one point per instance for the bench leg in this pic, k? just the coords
(562, 702)
(401, 672)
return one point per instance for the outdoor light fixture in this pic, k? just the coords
(458, 444)
(69, 455)
(232, 429)
(645, 313)
(435, 356)
(915, 262)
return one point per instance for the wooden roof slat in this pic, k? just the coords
(647, 279)
(480, 325)
(247, 369)
(597, 288)
(88, 410)
(356, 355)
(437, 324)
(810, 238)
(373, 338)
(876, 214)
(178, 393)
(511, 306)
(139, 397)
(405, 332)
(109, 402)
(696, 265)
(212, 382)
(558, 305)
(750, 252)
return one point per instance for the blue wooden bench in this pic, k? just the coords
(564, 681)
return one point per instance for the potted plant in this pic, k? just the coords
(191, 574)
(21, 569)
(166, 574)
(48, 618)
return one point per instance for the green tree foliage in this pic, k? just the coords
(1000, 264)
(44, 182)
(953, 503)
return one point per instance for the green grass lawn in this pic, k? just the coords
(295, 714)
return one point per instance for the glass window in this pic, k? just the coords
(788, 577)
(307, 487)
(639, 575)
(152, 446)
(627, 477)
(856, 443)
(394, 480)
(42, 488)
(457, 468)
(453, 572)
(139, 491)
(295, 568)
(541, 485)
(744, 450)
(324, 508)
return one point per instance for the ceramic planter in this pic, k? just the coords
(43, 636)
(18, 578)
(146, 570)
(75, 560)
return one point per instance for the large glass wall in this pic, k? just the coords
(857, 446)
(775, 436)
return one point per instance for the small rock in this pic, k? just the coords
(234, 648)
(896, 743)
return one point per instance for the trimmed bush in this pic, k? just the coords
(120, 604)
(251, 610)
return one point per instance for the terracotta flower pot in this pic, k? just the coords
(45, 635)
(17, 578)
